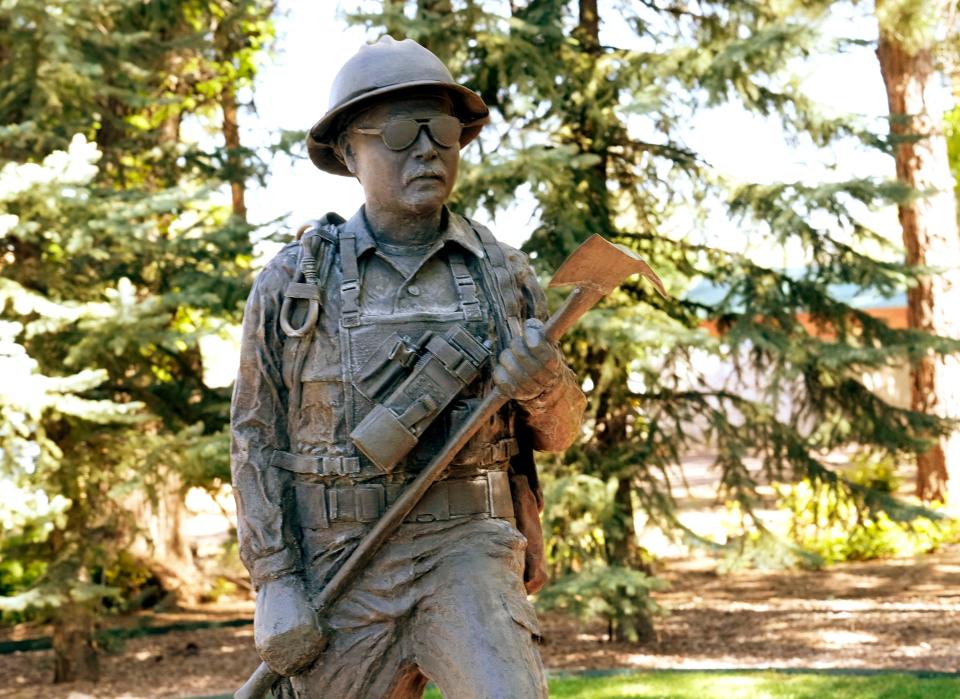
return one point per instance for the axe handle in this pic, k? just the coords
(258, 684)
(578, 302)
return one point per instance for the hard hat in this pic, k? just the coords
(380, 69)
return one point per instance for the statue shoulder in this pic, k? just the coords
(513, 259)
(283, 267)
(326, 228)
(272, 280)
(530, 300)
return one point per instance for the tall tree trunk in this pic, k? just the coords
(162, 542)
(75, 654)
(930, 237)
(231, 136)
(589, 25)
(74, 646)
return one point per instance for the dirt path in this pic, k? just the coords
(885, 614)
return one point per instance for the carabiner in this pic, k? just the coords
(313, 313)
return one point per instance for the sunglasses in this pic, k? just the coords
(400, 134)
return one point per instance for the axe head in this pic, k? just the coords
(603, 266)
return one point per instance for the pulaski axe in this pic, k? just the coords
(594, 269)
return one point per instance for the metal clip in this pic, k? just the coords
(286, 311)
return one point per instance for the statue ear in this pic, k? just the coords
(346, 154)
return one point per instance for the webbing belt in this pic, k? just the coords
(485, 454)
(315, 465)
(311, 465)
(319, 506)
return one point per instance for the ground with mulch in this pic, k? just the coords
(893, 614)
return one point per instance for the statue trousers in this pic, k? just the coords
(442, 601)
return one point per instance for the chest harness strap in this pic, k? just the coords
(466, 287)
(350, 286)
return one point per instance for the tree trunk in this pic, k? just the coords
(589, 25)
(930, 237)
(74, 650)
(231, 136)
(169, 552)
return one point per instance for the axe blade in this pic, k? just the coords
(602, 266)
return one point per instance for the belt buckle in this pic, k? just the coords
(434, 506)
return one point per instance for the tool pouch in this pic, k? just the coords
(446, 365)
(395, 356)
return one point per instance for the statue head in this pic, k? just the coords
(384, 73)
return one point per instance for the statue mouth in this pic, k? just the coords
(429, 175)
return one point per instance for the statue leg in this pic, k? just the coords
(476, 635)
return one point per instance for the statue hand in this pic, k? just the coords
(530, 366)
(286, 631)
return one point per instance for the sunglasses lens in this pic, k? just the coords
(445, 130)
(399, 134)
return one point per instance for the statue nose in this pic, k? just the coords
(424, 146)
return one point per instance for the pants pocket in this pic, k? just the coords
(522, 612)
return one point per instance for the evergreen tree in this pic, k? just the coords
(119, 254)
(592, 131)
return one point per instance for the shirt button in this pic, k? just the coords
(413, 290)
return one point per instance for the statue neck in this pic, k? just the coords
(404, 228)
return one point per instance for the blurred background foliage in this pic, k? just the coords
(126, 244)
(119, 256)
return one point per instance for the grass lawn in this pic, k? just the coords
(749, 685)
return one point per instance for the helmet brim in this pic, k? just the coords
(468, 106)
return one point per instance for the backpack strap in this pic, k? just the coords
(310, 280)
(522, 463)
(350, 284)
(318, 240)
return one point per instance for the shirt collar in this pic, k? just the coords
(457, 230)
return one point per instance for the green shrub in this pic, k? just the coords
(617, 595)
(840, 522)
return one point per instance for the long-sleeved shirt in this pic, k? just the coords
(261, 422)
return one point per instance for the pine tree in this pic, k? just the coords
(593, 132)
(119, 254)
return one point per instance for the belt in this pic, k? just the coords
(487, 454)
(319, 506)
(308, 464)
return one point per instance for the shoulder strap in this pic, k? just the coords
(317, 241)
(350, 284)
(466, 287)
(506, 282)
(310, 279)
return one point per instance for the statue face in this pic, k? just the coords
(415, 181)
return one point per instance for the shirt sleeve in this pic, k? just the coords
(553, 418)
(258, 427)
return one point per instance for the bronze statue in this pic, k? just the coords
(369, 346)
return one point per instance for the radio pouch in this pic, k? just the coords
(447, 364)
